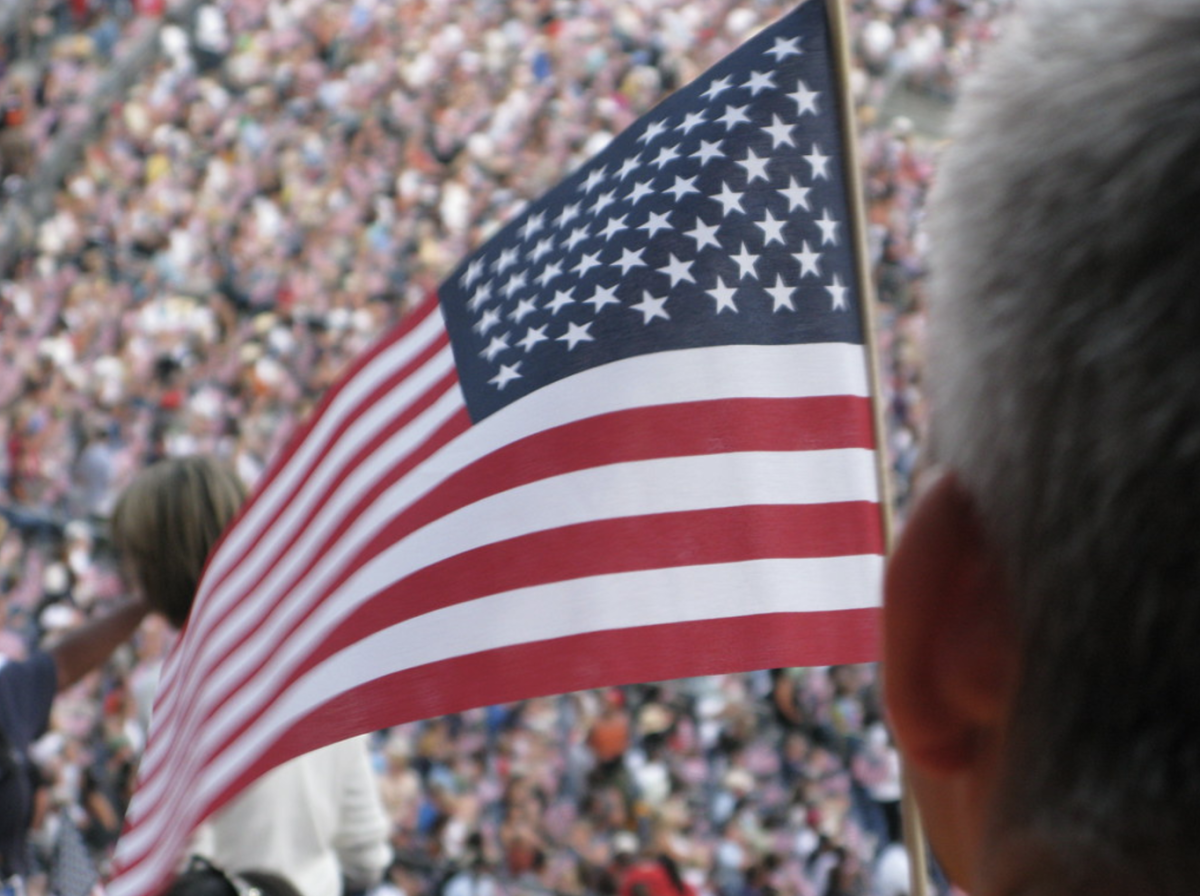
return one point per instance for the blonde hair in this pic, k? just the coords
(166, 523)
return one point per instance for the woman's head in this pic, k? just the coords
(166, 523)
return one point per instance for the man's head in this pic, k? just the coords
(166, 523)
(1050, 582)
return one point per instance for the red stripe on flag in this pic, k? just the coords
(626, 656)
(658, 541)
(300, 438)
(379, 394)
(417, 316)
(197, 671)
(688, 429)
(550, 667)
(350, 531)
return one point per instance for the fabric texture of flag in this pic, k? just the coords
(630, 439)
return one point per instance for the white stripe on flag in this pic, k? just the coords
(599, 603)
(300, 479)
(666, 485)
(691, 482)
(788, 371)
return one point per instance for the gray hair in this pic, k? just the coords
(1065, 377)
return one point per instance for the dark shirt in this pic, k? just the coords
(26, 694)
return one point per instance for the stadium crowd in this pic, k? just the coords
(280, 181)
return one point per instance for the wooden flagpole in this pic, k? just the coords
(914, 833)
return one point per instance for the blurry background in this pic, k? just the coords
(208, 208)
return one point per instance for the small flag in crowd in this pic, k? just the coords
(630, 440)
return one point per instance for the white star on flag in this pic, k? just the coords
(782, 294)
(705, 235)
(654, 130)
(490, 318)
(828, 228)
(734, 115)
(717, 87)
(532, 337)
(651, 307)
(819, 163)
(640, 190)
(480, 296)
(569, 214)
(635, 420)
(612, 227)
(772, 229)
(594, 179)
(780, 133)
(514, 284)
(797, 196)
(678, 270)
(730, 199)
(666, 154)
(578, 235)
(630, 258)
(627, 168)
(507, 374)
(604, 295)
(543, 248)
(508, 257)
(838, 292)
(603, 201)
(691, 121)
(682, 186)
(806, 100)
(588, 261)
(474, 271)
(723, 295)
(756, 167)
(758, 82)
(784, 48)
(533, 225)
(709, 149)
(655, 222)
(808, 260)
(746, 260)
(495, 347)
(549, 272)
(524, 308)
(561, 300)
(576, 333)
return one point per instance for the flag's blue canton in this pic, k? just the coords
(718, 218)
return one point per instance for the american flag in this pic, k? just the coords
(629, 440)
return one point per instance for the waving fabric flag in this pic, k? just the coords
(630, 439)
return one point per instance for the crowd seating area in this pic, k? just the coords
(265, 187)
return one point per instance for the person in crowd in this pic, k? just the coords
(1040, 613)
(27, 691)
(656, 875)
(318, 819)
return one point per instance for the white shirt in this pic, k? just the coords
(311, 820)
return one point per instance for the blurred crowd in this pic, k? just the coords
(778, 782)
(52, 57)
(282, 179)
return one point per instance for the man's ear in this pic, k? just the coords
(950, 654)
